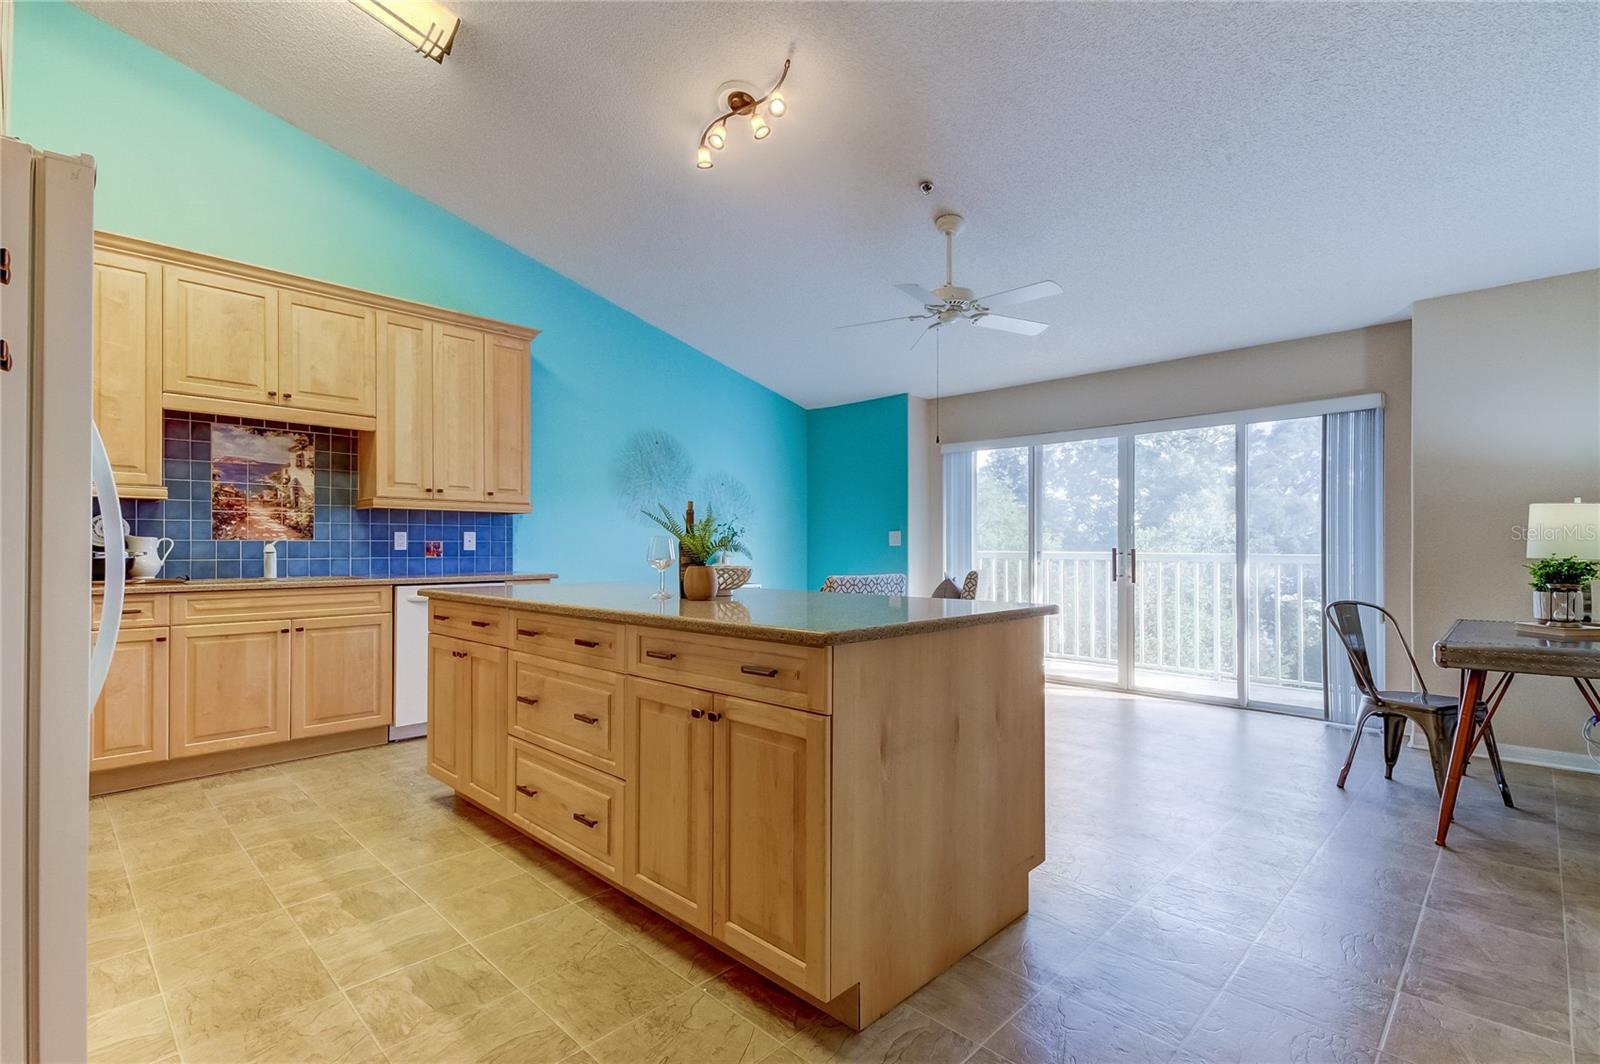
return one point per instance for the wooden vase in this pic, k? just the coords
(699, 583)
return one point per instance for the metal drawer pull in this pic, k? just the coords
(758, 670)
(586, 821)
(133, 612)
(481, 624)
(458, 653)
(713, 716)
(586, 718)
(441, 616)
(588, 644)
(660, 655)
(526, 633)
(525, 789)
(525, 700)
(697, 713)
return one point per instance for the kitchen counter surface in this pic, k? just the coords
(804, 618)
(159, 586)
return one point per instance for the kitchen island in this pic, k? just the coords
(846, 792)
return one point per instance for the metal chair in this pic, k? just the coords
(1434, 715)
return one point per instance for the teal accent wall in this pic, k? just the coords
(184, 161)
(856, 486)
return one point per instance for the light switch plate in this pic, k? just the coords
(399, 541)
(469, 541)
(894, 538)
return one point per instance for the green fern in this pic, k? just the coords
(702, 543)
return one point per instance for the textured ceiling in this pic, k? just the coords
(1197, 176)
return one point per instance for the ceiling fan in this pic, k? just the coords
(952, 303)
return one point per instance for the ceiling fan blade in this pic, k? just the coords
(881, 321)
(919, 293)
(1028, 292)
(1021, 326)
(923, 334)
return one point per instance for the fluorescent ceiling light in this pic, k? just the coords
(425, 25)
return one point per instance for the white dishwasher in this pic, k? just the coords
(411, 656)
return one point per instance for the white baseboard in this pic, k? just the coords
(408, 731)
(1536, 755)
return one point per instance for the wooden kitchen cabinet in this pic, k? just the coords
(221, 336)
(231, 686)
(669, 831)
(343, 674)
(770, 855)
(130, 720)
(127, 370)
(396, 461)
(458, 409)
(327, 356)
(467, 738)
(508, 419)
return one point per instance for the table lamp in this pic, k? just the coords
(1563, 530)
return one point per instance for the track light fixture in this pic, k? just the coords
(742, 104)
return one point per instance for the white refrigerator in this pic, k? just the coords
(50, 674)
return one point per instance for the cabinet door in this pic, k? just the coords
(771, 858)
(343, 674)
(327, 358)
(484, 768)
(130, 720)
(231, 686)
(667, 858)
(403, 459)
(221, 336)
(457, 413)
(449, 696)
(506, 425)
(127, 365)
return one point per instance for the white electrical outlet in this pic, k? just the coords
(469, 541)
(894, 538)
(399, 541)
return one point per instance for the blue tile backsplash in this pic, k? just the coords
(346, 541)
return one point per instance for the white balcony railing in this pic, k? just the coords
(1183, 611)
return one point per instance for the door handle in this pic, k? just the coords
(586, 821)
(758, 670)
(586, 718)
(525, 700)
(1133, 565)
(587, 644)
(713, 716)
(529, 791)
(1113, 565)
(697, 713)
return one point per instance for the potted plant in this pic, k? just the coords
(1558, 585)
(700, 543)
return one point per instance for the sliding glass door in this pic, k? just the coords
(1186, 559)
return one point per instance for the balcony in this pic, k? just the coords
(1185, 637)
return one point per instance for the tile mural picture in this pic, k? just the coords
(263, 483)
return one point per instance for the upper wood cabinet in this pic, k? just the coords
(127, 369)
(508, 420)
(221, 336)
(396, 461)
(130, 720)
(327, 358)
(458, 422)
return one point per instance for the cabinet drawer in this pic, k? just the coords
(791, 676)
(207, 607)
(466, 620)
(138, 611)
(572, 808)
(571, 639)
(573, 710)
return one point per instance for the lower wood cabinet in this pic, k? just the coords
(343, 674)
(669, 833)
(569, 807)
(130, 720)
(467, 719)
(230, 686)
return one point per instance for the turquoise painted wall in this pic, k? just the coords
(856, 486)
(185, 162)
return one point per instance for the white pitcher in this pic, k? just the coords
(149, 555)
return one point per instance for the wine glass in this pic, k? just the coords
(659, 556)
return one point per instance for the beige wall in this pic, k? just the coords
(924, 500)
(1376, 359)
(1506, 412)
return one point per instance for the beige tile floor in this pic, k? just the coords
(1209, 896)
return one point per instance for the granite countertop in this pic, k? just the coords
(804, 618)
(160, 586)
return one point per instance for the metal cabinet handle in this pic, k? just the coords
(585, 718)
(272, 395)
(1133, 565)
(161, 639)
(481, 624)
(660, 655)
(132, 612)
(758, 670)
(288, 395)
(529, 791)
(441, 616)
(697, 713)
(458, 653)
(527, 633)
(489, 493)
(586, 821)
(525, 700)
(283, 631)
(587, 644)
(300, 628)
(713, 716)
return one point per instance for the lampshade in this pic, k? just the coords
(1563, 529)
(427, 26)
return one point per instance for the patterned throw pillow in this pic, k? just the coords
(947, 589)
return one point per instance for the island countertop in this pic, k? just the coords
(801, 618)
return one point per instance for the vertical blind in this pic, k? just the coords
(1352, 542)
(960, 485)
